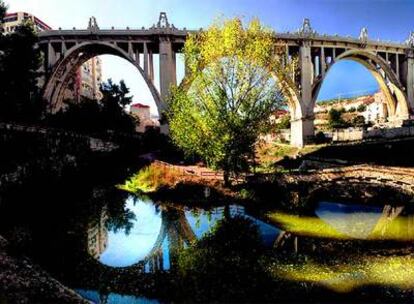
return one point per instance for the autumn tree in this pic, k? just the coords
(229, 93)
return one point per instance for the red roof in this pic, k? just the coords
(139, 105)
(280, 112)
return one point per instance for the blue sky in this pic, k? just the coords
(385, 19)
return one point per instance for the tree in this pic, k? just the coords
(358, 121)
(225, 265)
(284, 123)
(90, 116)
(335, 120)
(115, 99)
(3, 10)
(361, 108)
(20, 62)
(229, 95)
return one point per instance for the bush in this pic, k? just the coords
(320, 138)
(335, 120)
(361, 108)
(284, 123)
(358, 121)
(151, 178)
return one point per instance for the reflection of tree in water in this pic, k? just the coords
(225, 265)
(112, 216)
(120, 219)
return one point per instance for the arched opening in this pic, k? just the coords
(142, 104)
(66, 69)
(360, 84)
(359, 91)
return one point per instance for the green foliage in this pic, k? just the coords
(284, 123)
(352, 110)
(3, 10)
(358, 121)
(90, 116)
(20, 61)
(320, 138)
(151, 178)
(335, 120)
(224, 265)
(229, 95)
(247, 194)
(361, 108)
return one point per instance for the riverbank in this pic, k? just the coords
(23, 282)
(175, 184)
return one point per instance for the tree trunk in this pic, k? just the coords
(226, 176)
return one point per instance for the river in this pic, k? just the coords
(114, 247)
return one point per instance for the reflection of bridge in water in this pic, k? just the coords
(387, 223)
(176, 234)
(179, 229)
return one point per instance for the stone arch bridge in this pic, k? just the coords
(392, 64)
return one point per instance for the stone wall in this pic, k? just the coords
(95, 144)
(28, 151)
(380, 133)
(394, 177)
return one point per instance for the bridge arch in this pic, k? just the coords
(388, 81)
(73, 59)
(287, 86)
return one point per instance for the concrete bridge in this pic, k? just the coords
(392, 64)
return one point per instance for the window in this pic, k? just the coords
(10, 19)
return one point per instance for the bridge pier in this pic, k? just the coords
(302, 128)
(167, 68)
(302, 131)
(410, 79)
(168, 77)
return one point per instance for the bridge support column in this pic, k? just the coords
(64, 48)
(167, 68)
(322, 60)
(410, 80)
(51, 56)
(151, 66)
(302, 131)
(145, 60)
(302, 128)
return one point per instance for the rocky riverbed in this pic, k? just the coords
(23, 282)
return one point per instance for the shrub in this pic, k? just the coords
(320, 137)
(151, 178)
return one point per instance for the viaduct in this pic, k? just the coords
(392, 64)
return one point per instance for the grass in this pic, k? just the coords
(152, 178)
(268, 154)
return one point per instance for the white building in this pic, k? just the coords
(13, 20)
(144, 115)
(376, 111)
(88, 78)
